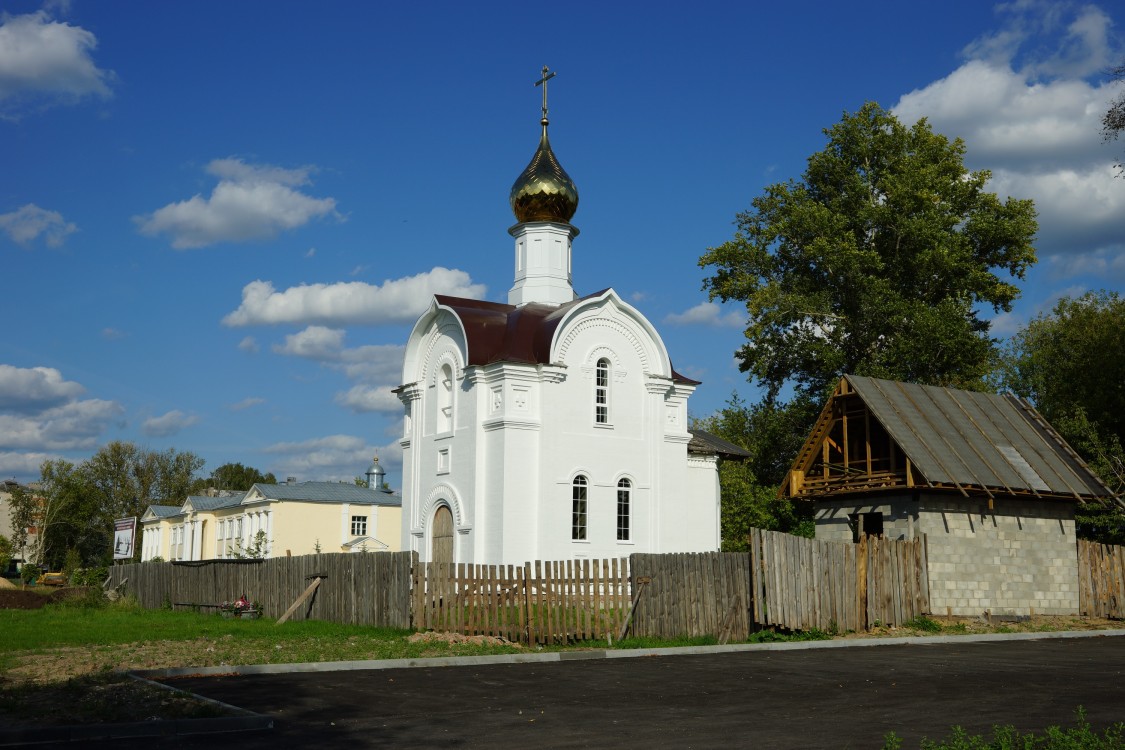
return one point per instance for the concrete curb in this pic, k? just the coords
(558, 656)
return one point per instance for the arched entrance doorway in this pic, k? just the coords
(442, 537)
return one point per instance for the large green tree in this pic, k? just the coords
(59, 510)
(234, 476)
(772, 433)
(73, 507)
(1113, 123)
(875, 262)
(1069, 363)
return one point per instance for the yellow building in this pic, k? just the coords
(273, 520)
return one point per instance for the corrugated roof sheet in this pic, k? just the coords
(704, 442)
(164, 511)
(328, 492)
(975, 439)
(206, 502)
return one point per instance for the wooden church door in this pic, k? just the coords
(442, 536)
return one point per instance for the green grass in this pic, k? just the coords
(923, 623)
(1078, 737)
(107, 629)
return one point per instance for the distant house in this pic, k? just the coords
(985, 478)
(271, 520)
(19, 554)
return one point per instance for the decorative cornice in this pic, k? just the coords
(500, 423)
(408, 392)
(578, 327)
(552, 373)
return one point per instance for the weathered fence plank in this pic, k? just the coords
(354, 584)
(1101, 579)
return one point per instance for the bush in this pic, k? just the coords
(86, 597)
(28, 573)
(72, 563)
(89, 576)
(923, 623)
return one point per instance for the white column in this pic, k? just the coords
(269, 533)
(196, 540)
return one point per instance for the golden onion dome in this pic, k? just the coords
(544, 192)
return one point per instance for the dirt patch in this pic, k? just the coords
(1000, 624)
(478, 640)
(22, 599)
(36, 598)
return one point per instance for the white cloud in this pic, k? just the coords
(251, 202)
(331, 458)
(73, 425)
(28, 223)
(112, 334)
(363, 398)
(375, 368)
(707, 314)
(395, 301)
(247, 403)
(168, 424)
(28, 390)
(315, 342)
(1028, 102)
(48, 62)
(23, 466)
(248, 344)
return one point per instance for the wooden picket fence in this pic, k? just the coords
(1101, 580)
(360, 589)
(540, 602)
(785, 581)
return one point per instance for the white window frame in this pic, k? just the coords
(580, 509)
(624, 510)
(603, 376)
(359, 526)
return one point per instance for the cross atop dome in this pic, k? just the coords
(544, 191)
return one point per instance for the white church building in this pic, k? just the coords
(551, 427)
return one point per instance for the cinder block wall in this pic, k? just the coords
(899, 515)
(1018, 558)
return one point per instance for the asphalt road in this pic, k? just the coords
(818, 698)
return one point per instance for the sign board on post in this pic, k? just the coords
(123, 531)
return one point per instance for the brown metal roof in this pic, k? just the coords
(974, 439)
(496, 332)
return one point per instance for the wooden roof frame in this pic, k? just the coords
(843, 456)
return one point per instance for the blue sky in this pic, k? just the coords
(219, 220)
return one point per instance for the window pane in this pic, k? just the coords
(578, 509)
(624, 488)
(601, 392)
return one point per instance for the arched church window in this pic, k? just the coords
(624, 493)
(601, 392)
(445, 399)
(579, 498)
